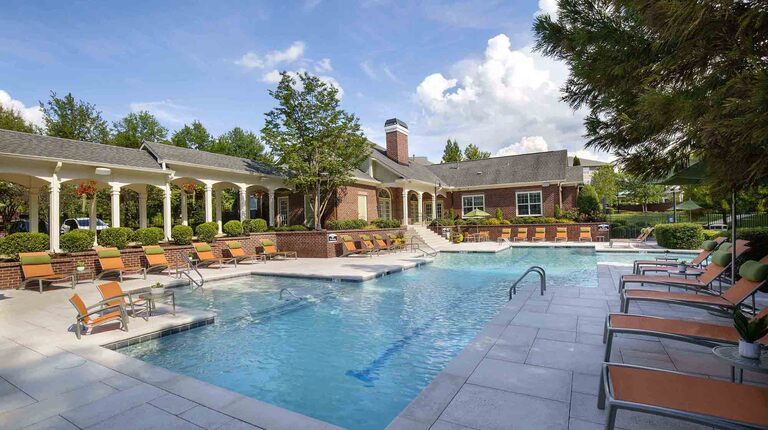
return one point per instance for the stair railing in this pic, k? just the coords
(533, 269)
(416, 243)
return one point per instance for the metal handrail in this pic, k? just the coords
(286, 290)
(535, 269)
(191, 267)
(432, 251)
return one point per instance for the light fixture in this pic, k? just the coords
(103, 171)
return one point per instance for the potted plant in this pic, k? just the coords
(750, 331)
(157, 289)
(80, 266)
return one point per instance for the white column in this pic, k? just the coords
(34, 209)
(218, 209)
(53, 214)
(184, 216)
(208, 203)
(243, 204)
(405, 206)
(143, 207)
(419, 213)
(271, 208)
(167, 220)
(434, 206)
(115, 207)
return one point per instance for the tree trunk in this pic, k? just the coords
(316, 209)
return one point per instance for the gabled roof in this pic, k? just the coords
(524, 168)
(415, 171)
(171, 154)
(574, 174)
(586, 163)
(56, 148)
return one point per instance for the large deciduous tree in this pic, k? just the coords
(194, 136)
(472, 152)
(452, 152)
(136, 128)
(605, 181)
(664, 81)
(73, 119)
(11, 119)
(319, 143)
(240, 143)
(640, 190)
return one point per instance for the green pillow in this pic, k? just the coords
(234, 245)
(586, 229)
(266, 242)
(108, 253)
(31, 260)
(725, 247)
(347, 238)
(721, 258)
(709, 245)
(203, 247)
(754, 271)
(378, 237)
(155, 250)
(365, 237)
(540, 229)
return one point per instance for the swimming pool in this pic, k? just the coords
(353, 354)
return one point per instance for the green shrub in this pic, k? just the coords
(386, 223)
(679, 236)
(757, 237)
(15, 243)
(232, 228)
(349, 224)
(298, 227)
(445, 222)
(505, 222)
(129, 233)
(618, 232)
(711, 234)
(493, 221)
(114, 237)
(499, 214)
(207, 231)
(256, 225)
(460, 221)
(77, 240)
(182, 234)
(587, 201)
(148, 236)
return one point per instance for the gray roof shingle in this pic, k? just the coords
(587, 163)
(524, 168)
(35, 145)
(170, 154)
(416, 171)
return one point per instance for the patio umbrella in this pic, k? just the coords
(477, 214)
(696, 174)
(688, 205)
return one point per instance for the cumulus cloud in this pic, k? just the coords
(291, 54)
(165, 110)
(525, 145)
(504, 101)
(31, 114)
(547, 7)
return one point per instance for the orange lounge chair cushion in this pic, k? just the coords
(36, 265)
(716, 398)
(350, 246)
(104, 318)
(663, 280)
(672, 326)
(664, 295)
(237, 252)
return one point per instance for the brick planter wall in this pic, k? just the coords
(551, 230)
(314, 244)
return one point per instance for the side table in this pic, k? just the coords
(730, 353)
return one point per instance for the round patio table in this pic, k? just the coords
(152, 298)
(688, 272)
(730, 353)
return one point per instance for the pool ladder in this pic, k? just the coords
(533, 269)
(191, 268)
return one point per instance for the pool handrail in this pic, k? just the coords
(542, 280)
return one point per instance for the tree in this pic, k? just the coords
(240, 143)
(136, 128)
(452, 152)
(605, 181)
(667, 81)
(73, 119)
(12, 120)
(472, 152)
(587, 201)
(193, 136)
(314, 139)
(641, 191)
(576, 160)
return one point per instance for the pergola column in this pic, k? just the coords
(167, 220)
(184, 216)
(115, 207)
(208, 203)
(405, 206)
(92, 219)
(142, 191)
(271, 195)
(243, 204)
(34, 209)
(420, 204)
(53, 215)
(218, 209)
(434, 206)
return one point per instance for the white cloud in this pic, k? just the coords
(164, 110)
(388, 73)
(525, 145)
(504, 101)
(31, 114)
(291, 54)
(547, 7)
(368, 69)
(323, 66)
(373, 71)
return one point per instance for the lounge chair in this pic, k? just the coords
(645, 233)
(505, 236)
(349, 248)
(381, 243)
(395, 242)
(484, 236)
(236, 251)
(522, 235)
(721, 261)
(113, 295)
(271, 251)
(562, 234)
(540, 234)
(663, 264)
(753, 277)
(585, 233)
(205, 257)
(156, 259)
(697, 399)
(367, 244)
(37, 267)
(98, 314)
(111, 263)
(699, 333)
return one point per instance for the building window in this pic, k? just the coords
(470, 203)
(362, 207)
(384, 204)
(439, 209)
(529, 203)
(283, 211)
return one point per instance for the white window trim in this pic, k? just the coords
(473, 198)
(281, 221)
(380, 200)
(541, 202)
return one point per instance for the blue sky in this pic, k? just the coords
(461, 69)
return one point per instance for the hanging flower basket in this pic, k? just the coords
(86, 190)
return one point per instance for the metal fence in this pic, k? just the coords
(629, 225)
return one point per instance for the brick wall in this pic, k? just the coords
(346, 202)
(569, 197)
(505, 199)
(551, 230)
(397, 147)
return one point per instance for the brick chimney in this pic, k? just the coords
(397, 140)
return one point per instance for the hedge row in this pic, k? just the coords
(495, 221)
(679, 235)
(15, 243)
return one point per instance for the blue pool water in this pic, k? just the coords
(354, 354)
